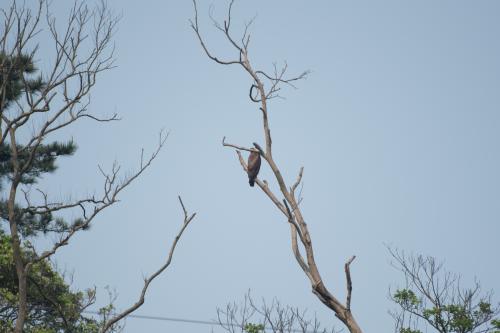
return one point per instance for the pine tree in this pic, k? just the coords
(13, 83)
(53, 307)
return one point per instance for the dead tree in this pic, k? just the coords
(34, 109)
(290, 204)
(267, 317)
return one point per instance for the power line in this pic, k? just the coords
(182, 320)
(193, 321)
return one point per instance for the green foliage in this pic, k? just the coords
(42, 161)
(34, 160)
(495, 323)
(434, 298)
(409, 330)
(254, 328)
(461, 319)
(447, 318)
(13, 80)
(29, 223)
(53, 307)
(457, 318)
(406, 298)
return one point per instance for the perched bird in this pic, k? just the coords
(253, 167)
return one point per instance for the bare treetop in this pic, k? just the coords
(266, 86)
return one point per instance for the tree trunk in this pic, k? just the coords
(18, 259)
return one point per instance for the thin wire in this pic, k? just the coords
(182, 320)
(192, 321)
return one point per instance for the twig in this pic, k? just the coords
(299, 179)
(235, 146)
(349, 282)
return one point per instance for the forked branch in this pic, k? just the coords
(289, 205)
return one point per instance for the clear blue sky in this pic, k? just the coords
(398, 128)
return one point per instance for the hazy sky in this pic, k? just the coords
(398, 128)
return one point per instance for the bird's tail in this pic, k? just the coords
(251, 181)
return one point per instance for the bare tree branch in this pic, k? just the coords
(349, 282)
(147, 281)
(235, 146)
(195, 27)
(267, 317)
(290, 206)
(112, 187)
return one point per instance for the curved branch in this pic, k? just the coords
(147, 281)
(252, 87)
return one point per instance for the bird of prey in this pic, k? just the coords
(253, 167)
